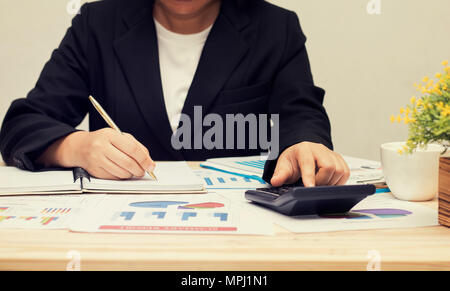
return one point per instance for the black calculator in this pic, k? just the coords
(300, 200)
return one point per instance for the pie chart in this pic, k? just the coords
(207, 205)
(182, 205)
(156, 204)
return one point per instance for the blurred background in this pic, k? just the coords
(366, 60)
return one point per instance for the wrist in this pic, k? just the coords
(67, 149)
(63, 152)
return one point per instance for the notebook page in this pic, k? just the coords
(172, 177)
(14, 181)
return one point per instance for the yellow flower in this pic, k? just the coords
(407, 111)
(437, 91)
(413, 99)
(400, 152)
(419, 102)
(399, 119)
(445, 63)
(425, 79)
(445, 111)
(392, 118)
(438, 75)
(402, 110)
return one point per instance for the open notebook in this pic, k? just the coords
(173, 178)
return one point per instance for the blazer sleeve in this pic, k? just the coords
(56, 105)
(296, 99)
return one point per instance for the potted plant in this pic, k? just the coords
(428, 118)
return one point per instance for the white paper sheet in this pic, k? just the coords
(42, 212)
(379, 211)
(172, 177)
(219, 180)
(16, 181)
(187, 214)
(362, 170)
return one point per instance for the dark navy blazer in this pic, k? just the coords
(254, 61)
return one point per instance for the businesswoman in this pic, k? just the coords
(148, 61)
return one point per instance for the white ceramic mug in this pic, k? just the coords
(412, 177)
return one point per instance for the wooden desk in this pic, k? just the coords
(400, 249)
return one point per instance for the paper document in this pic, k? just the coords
(199, 214)
(378, 211)
(252, 164)
(220, 180)
(42, 212)
(362, 171)
(172, 177)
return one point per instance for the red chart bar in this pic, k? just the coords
(166, 228)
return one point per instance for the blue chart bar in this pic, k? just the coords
(186, 215)
(221, 180)
(233, 179)
(222, 216)
(127, 215)
(208, 181)
(253, 164)
(159, 215)
(247, 180)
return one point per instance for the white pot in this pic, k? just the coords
(412, 177)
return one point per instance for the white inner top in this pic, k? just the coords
(179, 55)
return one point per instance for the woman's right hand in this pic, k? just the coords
(105, 154)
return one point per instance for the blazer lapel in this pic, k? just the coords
(223, 51)
(137, 51)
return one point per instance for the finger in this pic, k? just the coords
(307, 164)
(115, 170)
(124, 161)
(148, 164)
(128, 146)
(339, 171)
(101, 173)
(346, 174)
(326, 167)
(284, 173)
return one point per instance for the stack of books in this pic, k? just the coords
(444, 192)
